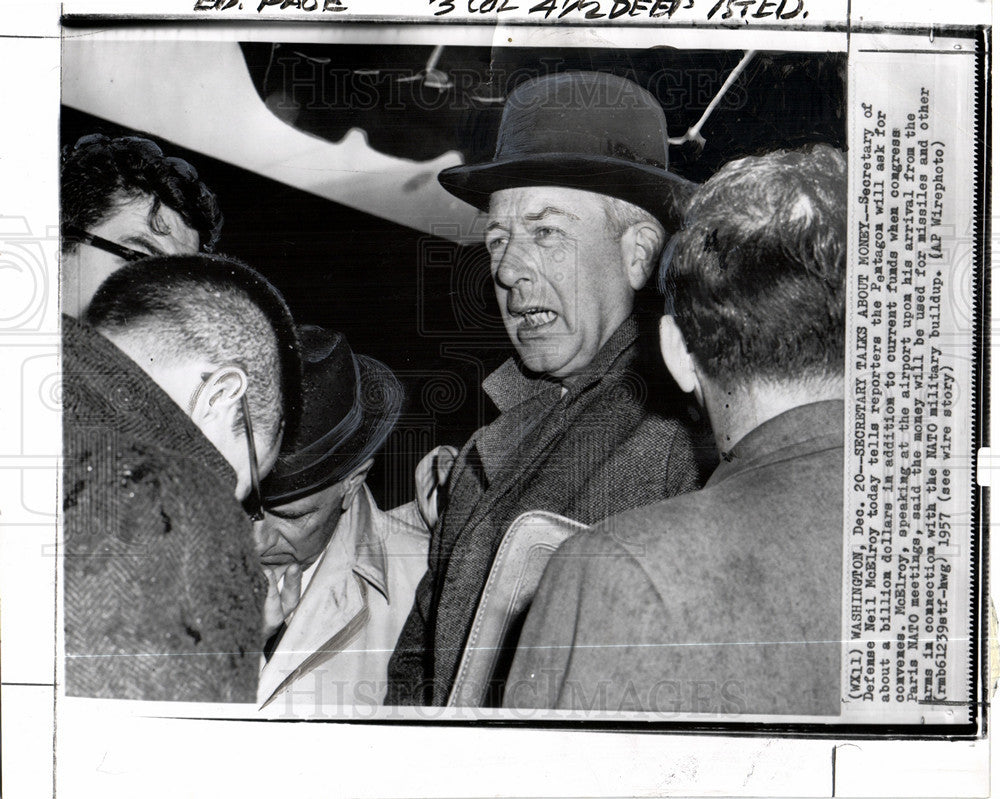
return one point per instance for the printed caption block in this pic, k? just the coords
(910, 399)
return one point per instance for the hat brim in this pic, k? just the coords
(381, 401)
(656, 190)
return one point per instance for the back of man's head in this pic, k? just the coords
(755, 280)
(213, 310)
(98, 172)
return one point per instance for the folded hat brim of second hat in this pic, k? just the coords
(659, 191)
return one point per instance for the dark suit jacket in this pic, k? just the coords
(597, 449)
(724, 600)
(163, 591)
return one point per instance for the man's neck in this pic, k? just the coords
(736, 411)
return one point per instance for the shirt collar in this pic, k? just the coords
(511, 384)
(801, 430)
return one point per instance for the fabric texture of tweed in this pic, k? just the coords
(619, 436)
(163, 594)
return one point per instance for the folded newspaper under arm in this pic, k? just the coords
(517, 570)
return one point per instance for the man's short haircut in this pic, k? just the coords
(215, 309)
(99, 173)
(756, 276)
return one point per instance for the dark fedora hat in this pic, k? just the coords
(350, 404)
(581, 130)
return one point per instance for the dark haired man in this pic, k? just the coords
(122, 199)
(726, 600)
(176, 395)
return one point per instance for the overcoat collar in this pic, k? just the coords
(141, 409)
(504, 471)
(807, 428)
(371, 561)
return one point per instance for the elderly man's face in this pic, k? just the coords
(559, 275)
(298, 532)
(85, 267)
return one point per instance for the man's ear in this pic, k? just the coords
(679, 361)
(353, 483)
(641, 246)
(218, 398)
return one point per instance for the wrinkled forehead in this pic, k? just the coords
(526, 203)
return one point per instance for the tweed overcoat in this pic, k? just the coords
(163, 592)
(610, 440)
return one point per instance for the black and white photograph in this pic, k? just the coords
(420, 379)
(384, 505)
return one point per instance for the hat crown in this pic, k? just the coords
(330, 376)
(331, 403)
(350, 405)
(583, 113)
(580, 130)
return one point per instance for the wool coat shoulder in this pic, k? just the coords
(726, 600)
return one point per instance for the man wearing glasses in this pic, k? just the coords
(123, 199)
(177, 392)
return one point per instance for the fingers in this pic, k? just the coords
(431, 474)
(426, 483)
(427, 505)
(443, 462)
(274, 615)
(424, 474)
(291, 589)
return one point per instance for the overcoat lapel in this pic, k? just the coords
(332, 600)
(552, 468)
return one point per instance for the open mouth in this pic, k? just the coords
(534, 318)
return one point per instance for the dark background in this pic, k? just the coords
(422, 304)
